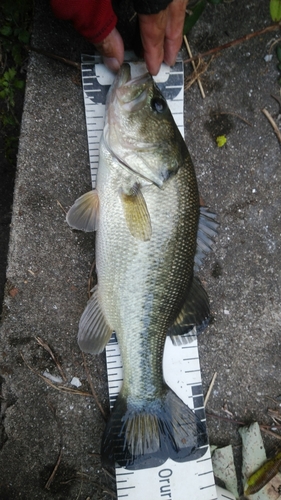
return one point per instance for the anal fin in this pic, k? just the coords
(94, 332)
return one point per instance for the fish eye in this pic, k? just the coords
(158, 104)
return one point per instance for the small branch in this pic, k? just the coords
(236, 115)
(110, 492)
(272, 122)
(210, 388)
(60, 205)
(68, 62)
(92, 387)
(269, 432)
(194, 67)
(230, 420)
(245, 38)
(91, 279)
(200, 69)
(54, 358)
(52, 476)
(59, 387)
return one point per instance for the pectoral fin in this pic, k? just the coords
(193, 317)
(94, 332)
(84, 213)
(136, 213)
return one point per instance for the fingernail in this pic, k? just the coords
(111, 63)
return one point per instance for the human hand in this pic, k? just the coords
(112, 50)
(162, 34)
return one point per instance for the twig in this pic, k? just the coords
(272, 399)
(273, 124)
(54, 358)
(110, 492)
(270, 433)
(244, 38)
(92, 387)
(57, 387)
(91, 279)
(68, 62)
(51, 478)
(107, 473)
(231, 420)
(236, 115)
(273, 44)
(200, 69)
(210, 388)
(60, 205)
(277, 98)
(194, 67)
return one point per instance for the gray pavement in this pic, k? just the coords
(49, 264)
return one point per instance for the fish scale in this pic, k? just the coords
(170, 480)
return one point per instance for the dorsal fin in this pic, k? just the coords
(207, 230)
(193, 317)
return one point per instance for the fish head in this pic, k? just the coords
(140, 130)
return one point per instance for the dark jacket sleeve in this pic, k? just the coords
(150, 6)
(94, 19)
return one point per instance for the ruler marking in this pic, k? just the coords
(205, 473)
(123, 473)
(208, 486)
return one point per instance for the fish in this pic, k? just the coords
(151, 237)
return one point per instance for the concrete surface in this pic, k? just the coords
(49, 264)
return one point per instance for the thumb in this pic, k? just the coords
(112, 50)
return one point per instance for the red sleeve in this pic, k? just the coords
(94, 19)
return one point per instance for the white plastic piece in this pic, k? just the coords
(76, 382)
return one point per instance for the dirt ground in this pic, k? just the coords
(42, 425)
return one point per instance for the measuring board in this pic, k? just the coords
(194, 479)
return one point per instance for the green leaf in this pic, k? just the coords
(275, 10)
(221, 141)
(10, 74)
(24, 36)
(193, 18)
(17, 54)
(6, 30)
(278, 52)
(19, 84)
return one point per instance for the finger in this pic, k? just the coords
(112, 50)
(152, 30)
(174, 30)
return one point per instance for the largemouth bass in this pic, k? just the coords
(145, 210)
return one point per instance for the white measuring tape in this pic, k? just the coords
(192, 480)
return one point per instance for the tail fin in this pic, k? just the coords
(142, 434)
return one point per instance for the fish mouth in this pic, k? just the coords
(124, 76)
(132, 92)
